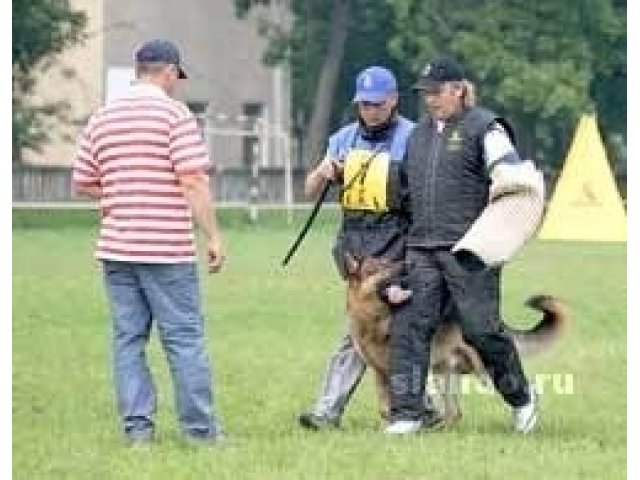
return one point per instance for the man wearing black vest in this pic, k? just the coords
(365, 159)
(460, 159)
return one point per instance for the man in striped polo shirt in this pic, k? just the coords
(143, 157)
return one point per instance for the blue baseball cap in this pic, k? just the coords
(375, 84)
(160, 51)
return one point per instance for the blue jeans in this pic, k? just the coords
(168, 294)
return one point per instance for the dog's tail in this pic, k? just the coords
(551, 328)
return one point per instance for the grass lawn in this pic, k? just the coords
(270, 331)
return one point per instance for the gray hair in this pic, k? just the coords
(149, 68)
(468, 93)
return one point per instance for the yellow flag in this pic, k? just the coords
(586, 204)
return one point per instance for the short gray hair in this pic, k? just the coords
(149, 68)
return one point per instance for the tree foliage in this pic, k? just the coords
(541, 64)
(41, 28)
(325, 44)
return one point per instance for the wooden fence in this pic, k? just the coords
(53, 184)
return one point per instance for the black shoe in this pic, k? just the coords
(313, 421)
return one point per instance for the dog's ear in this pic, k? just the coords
(351, 264)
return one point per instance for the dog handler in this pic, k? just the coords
(474, 202)
(365, 159)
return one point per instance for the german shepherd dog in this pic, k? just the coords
(450, 355)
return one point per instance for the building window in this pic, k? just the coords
(251, 112)
(199, 109)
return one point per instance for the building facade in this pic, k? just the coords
(243, 105)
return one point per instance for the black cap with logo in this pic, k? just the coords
(434, 73)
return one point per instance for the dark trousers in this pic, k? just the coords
(434, 276)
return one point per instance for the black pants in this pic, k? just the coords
(434, 275)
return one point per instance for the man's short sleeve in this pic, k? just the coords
(85, 168)
(333, 147)
(497, 147)
(187, 149)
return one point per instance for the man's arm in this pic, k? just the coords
(190, 159)
(85, 177)
(195, 187)
(327, 170)
(514, 211)
(510, 174)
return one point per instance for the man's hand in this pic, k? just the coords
(92, 191)
(330, 168)
(215, 252)
(397, 295)
(198, 195)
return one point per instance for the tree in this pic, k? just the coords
(535, 61)
(322, 106)
(609, 85)
(313, 48)
(328, 40)
(542, 64)
(41, 28)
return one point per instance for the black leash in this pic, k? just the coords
(305, 229)
(362, 172)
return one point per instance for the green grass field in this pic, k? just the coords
(270, 331)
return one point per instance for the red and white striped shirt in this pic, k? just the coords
(134, 148)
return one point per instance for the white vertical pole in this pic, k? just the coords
(288, 177)
(254, 190)
(277, 114)
(264, 137)
(282, 147)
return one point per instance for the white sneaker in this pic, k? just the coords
(403, 427)
(526, 417)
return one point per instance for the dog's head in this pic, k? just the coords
(364, 277)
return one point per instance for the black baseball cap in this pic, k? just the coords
(160, 51)
(434, 73)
